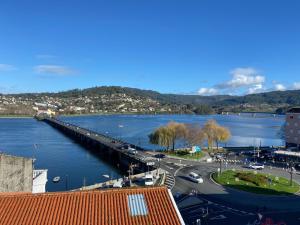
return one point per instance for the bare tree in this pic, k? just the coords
(168, 135)
(215, 133)
(178, 131)
(195, 135)
(161, 136)
(222, 135)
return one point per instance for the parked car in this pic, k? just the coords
(195, 177)
(149, 181)
(256, 166)
(160, 156)
(297, 166)
(219, 156)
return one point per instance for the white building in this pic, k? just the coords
(39, 181)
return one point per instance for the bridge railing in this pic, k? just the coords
(97, 134)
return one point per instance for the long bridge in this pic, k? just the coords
(109, 148)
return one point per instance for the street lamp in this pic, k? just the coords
(291, 171)
(220, 171)
(157, 171)
(130, 172)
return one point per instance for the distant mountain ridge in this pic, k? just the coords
(290, 97)
(125, 99)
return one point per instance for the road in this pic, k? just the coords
(214, 204)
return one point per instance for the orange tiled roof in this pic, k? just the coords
(103, 207)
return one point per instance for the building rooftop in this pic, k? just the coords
(137, 206)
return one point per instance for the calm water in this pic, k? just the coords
(55, 152)
(246, 130)
(61, 156)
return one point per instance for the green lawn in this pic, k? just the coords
(185, 154)
(257, 183)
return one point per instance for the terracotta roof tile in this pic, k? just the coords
(103, 207)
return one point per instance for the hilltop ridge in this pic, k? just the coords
(116, 99)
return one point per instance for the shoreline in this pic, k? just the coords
(129, 113)
(15, 117)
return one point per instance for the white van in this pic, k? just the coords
(118, 184)
(195, 177)
(149, 180)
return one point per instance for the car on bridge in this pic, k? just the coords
(195, 177)
(132, 151)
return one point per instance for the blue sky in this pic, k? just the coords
(203, 46)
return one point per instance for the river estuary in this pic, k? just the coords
(65, 158)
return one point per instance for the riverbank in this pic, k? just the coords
(142, 113)
(15, 116)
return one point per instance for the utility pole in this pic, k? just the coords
(157, 171)
(291, 170)
(130, 172)
(254, 153)
(221, 165)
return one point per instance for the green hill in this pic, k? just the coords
(116, 99)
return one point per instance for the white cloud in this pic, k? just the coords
(7, 67)
(54, 69)
(296, 86)
(258, 88)
(243, 77)
(279, 87)
(207, 91)
(246, 80)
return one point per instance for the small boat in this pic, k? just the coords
(120, 125)
(105, 175)
(56, 179)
